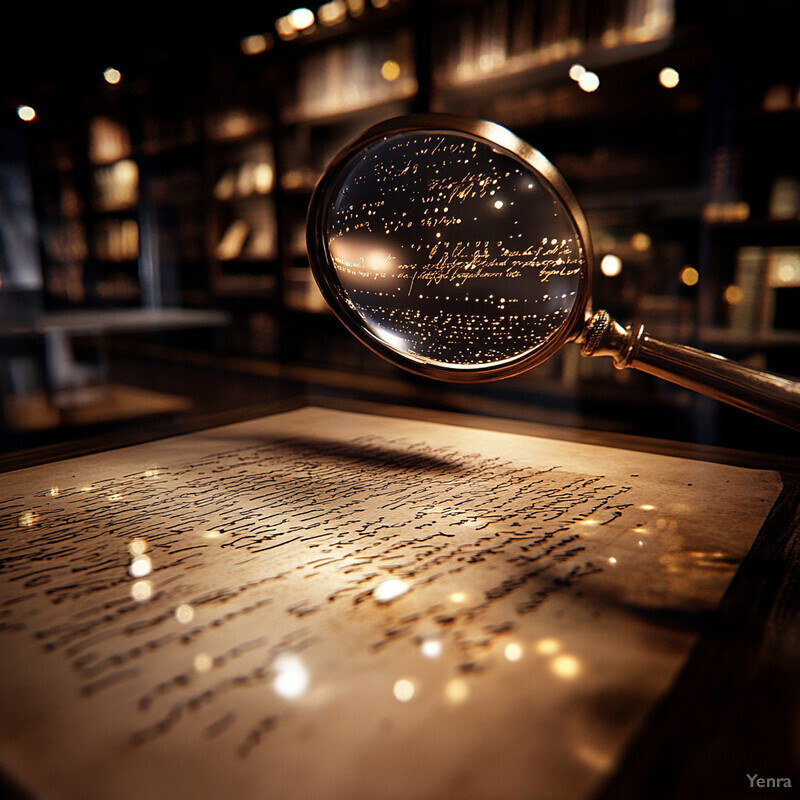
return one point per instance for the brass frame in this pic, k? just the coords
(773, 397)
(498, 137)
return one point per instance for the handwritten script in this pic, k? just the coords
(260, 608)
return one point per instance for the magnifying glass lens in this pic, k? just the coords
(450, 250)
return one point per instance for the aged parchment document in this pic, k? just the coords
(330, 605)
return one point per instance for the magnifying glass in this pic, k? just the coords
(456, 251)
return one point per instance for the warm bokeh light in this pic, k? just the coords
(285, 29)
(390, 70)
(137, 547)
(589, 81)
(142, 590)
(611, 265)
(301, 18)
(689, 276)
(257, 43)
(26, 113)
(27, 520)
(389, 590)
(403, 690)
(669, 78)
(513, 651)
(458, 597)
(566, 667)
(612, 560)
(291, 677)
(203, 662)
(431, 648)
(548, 647)
(141, 566)
(332, 13)
(641, 242)
(733, 295)
(577, 71)
(456, 690)
(184, 613)
(112, 75)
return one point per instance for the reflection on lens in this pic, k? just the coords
(452, 251)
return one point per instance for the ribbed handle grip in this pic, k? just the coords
(761, 393)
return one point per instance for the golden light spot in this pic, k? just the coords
(137, 547)
(112, 75)
(255, 44)
(142, 590)
(612, 560)
(390, 590)
(332, 13)
(577, 71)
(647, 507)
(403, 690)
(458, 597)
(669, 78)
(733, 295)
(301, 18)
(390, 70)
(26, 113)
(184, 613)
(589, 81)
(291, 677)
(456, 690)
(641, 242)
(566, 667)
(689, 276)
(27, 519)
(548, 647)
(116, 496)
(431, 648)
(54, 492)
(152, 473)
(513, 651)
(498, 203)
(203, 662)
(213, 534)
(611, 265)
(141, 566)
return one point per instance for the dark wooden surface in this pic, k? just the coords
(734, 710)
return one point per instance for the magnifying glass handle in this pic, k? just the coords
(761, 393)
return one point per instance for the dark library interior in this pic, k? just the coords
(155, 177)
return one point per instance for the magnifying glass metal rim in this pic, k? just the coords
(494, 135)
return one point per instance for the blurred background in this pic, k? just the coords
(155, 176)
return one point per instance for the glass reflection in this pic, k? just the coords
(404, 690)
(141, 590)
(184, 613)
(389, 590)
(431, 648)
(565, 666)
(452, 251)
(291, 677)
(456, 690)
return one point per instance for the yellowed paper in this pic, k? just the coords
(331, 605)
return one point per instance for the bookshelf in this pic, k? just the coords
(687, 186)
